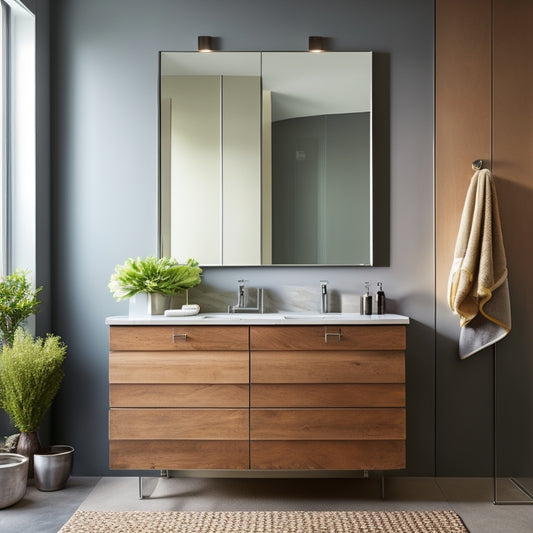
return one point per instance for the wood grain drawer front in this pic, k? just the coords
(338, 338)
(179, 455)
(163, 395)
(327, 424)
(327, 455)
(178, 424)
(183, 367)
(320, 395)
(330, 367)
(178, 338)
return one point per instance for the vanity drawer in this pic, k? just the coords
(178, 338)
(328, 395)
(183, 367)
(327, 337)
(179, 454)
(327, 455)
(178, 424)
(170, 395)
(327, 424)
(333, 367)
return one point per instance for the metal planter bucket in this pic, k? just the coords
(13, 478)
(52, 467)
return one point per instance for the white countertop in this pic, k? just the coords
(266, 319)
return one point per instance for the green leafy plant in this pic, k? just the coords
(30, 375)
(162, 275)
(18, 300)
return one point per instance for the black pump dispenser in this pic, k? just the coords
(380, 299)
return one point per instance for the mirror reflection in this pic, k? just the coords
(266, 157)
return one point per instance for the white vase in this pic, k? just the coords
(146, 304)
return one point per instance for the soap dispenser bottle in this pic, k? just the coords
(380, 299)
(366, 301)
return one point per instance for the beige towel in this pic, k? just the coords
(478, 289)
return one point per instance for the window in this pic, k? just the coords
(17, 137)
(3, 137)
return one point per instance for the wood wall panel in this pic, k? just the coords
(513, 136)
(462, 115)
(484, 109)
(513, 172)
(463, 125)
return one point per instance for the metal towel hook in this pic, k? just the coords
(477, 164)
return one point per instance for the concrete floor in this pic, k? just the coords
(471, 498)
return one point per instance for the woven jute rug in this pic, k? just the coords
(265, 522)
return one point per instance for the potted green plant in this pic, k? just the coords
(153, 281)
(31, 372)
(18, 300)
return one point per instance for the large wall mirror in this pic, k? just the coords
(266, 158)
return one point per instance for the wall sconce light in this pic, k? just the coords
(204, 43)
(316, 44)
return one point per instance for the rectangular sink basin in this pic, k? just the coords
(278, 316)
(242, 316)
(315, 316)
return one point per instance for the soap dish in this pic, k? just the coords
(186, 310)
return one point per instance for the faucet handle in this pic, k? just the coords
(324, 296)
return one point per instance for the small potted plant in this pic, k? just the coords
(150, 282)
(30, 375)
(18, 300)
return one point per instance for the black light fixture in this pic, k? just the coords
(316, 44)
(204, 43)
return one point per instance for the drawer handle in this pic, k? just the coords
(180, 336)
(330, 334)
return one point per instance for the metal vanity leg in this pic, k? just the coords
(382, 487)
(162, 473)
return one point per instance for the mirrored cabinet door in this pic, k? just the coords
(266, 157)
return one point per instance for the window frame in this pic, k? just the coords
(18, 139)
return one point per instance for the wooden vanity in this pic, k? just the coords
(256, 397)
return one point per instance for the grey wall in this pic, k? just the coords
(104, 167)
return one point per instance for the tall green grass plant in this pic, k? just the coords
(30, 375)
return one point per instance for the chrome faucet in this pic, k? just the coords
(241, 295)
(323, 296)
(240, 306)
